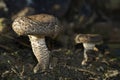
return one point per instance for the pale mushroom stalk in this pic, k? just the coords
(87, 46)
(40, 51)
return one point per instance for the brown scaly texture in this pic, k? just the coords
(42, 24)
(41, 52)
(37, 27)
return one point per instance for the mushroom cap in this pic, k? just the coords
(88, 38)
(42, 24)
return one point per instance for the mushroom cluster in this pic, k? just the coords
(37, 27)
(89, 41)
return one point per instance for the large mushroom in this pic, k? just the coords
(37, 27)
(89, 41)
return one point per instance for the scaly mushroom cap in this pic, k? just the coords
(42, 24)
(88, 38)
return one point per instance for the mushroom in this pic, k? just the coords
(89, 41)
(37, 27)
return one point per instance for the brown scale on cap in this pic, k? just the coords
(37, 27)
(42, 24)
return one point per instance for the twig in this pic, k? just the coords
(20, 42)
(5, 47)
(10, 37)
(81, 70)
(16, 70)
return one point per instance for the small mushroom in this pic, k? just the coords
(37, 27)
(89, 41)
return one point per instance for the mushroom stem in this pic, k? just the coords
(40, 51)
(85, 58)
(87, 46)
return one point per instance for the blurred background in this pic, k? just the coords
(77, 16)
